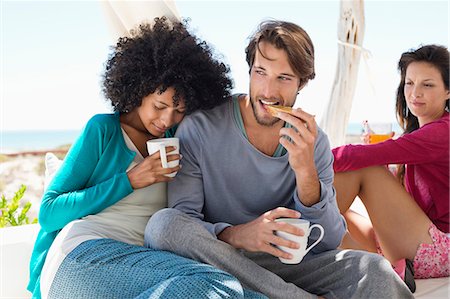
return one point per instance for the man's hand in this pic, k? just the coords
(303, 136)
(301, 153)
(258, 235)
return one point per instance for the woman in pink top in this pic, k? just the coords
(409, 214)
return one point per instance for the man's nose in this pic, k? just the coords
(270, 89)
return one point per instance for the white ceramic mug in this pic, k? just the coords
(154, 145)
(299, 253)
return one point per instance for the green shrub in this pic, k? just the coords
(10, 214)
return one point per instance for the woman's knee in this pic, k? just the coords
(375, 172)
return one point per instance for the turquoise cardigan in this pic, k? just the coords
(91, 178)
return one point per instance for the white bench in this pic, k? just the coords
(16, 244)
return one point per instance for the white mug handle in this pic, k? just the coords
(163, 154)
(322, 232)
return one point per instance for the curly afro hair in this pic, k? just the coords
(165, 55)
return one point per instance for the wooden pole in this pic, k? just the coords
(350, 37)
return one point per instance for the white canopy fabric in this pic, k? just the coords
(122, 16)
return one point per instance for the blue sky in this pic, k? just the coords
(52, 53)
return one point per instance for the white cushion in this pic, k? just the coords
(52, 164)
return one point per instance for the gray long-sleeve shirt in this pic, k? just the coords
(225, 180)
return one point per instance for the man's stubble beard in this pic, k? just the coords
(264, 122)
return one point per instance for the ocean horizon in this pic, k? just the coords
(37, 140)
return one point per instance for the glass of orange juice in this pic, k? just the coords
(379, 132)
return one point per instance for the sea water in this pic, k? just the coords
(18, 141)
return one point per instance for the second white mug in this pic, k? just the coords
(299, 253)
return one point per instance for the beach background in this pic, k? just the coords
(53, 53)
(22, 162)
(22, 158)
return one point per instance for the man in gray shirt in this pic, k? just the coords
(243, 167)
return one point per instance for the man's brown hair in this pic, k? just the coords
(289, 37)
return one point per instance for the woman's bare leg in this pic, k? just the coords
(362, 235)
(401, 226)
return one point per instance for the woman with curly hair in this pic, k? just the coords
(409, 214)
(95, 209)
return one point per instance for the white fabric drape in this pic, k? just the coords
(122, 16)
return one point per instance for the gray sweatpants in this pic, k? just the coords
(332, 274)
